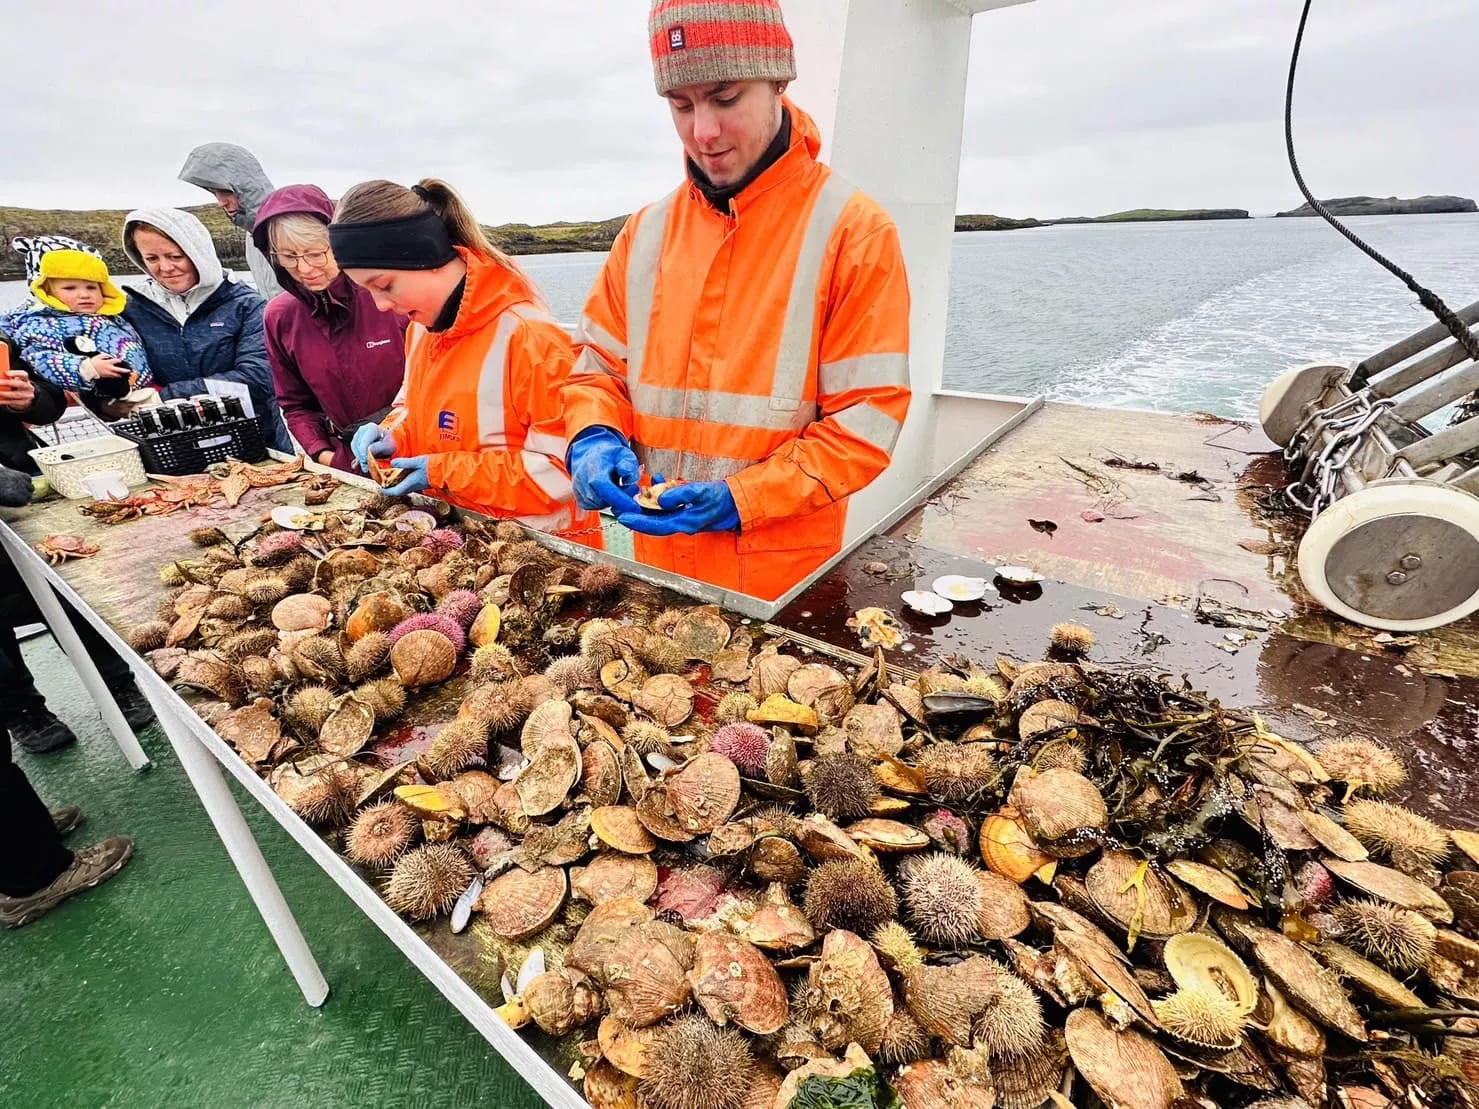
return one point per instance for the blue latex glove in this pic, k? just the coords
(686, 510)
(371, 439)
(415, 480)
(603, 470)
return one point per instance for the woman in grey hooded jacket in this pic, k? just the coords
(201, 330)
(236, 179)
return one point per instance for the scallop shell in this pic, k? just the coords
(546, 844)
(600, 774)
(1197, 961)
(931, 1084)
(822, 688)
(1102, 968)
(702, 632)
(777, 860)
(348, 728)
(618, 826)
(646, 973)
(666, 698)
(252, 730)
(769, 673)
(1049, 716)
(302, 612)
(873, 731)
(1018, 575)
(511, 814)
(777, 925)
(423, 658)
(1008, 849)
(779, 709)
(624, 1047)
(600, 931)
(1027, 1081)
(781, 765)
(1309, 987)
(732, 980)
(928, 603)
(1058, 803)
(1386, 884)
(622, 678)
(1290, 1029)
(1160, 908)
(888, 836)
(1333, 838)
(1004, 911)
(544, 784)
(549, 722)
(519, 904)
(849, 998)
(1125, 1069)
(376, 612)
(1208, 880)
(606, 1087)
(704, 793)
(823, 840)
(946, 1000)
(485, 626)
(957, 587)
(609, 877)
(1366, 976)
(296, 519)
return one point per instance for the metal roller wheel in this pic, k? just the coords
(1282, 409)
(1402, 556)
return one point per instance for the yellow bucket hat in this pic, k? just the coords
(77, 265)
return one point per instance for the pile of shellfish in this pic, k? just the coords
(726, 873)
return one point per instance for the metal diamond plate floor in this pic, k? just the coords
(162, 987)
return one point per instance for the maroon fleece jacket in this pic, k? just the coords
(335, 358)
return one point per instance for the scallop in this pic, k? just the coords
(544, 784)
(873, 731)
(1332, 837)
(927, 603)
(666, 698)
(1061, 809)
(1102, 968)
(732, 980)
(1197, 961)
(1027, 1081)
(646, 974)
(1018, 575)
(932, 1084)
(1049, 716)
(1125, 1069)
(296, 519)
(1008, 849)
(424, 657)
(600, 774)
(608, 1088)
(302, 612)
(704, 793)
(561, 1001)
(1308, 985)
(1288, 1028)
(848, 998)
(376, 612)
(518, 904)
(702, 632)
(1216, 884)
(600, 931)
(958, 587)
(254, 731)
(889, 836)
(1366, 976)
(1386, 884)
(348, 728)
(822, 688)
(770, 672)
(625, 1048)
(549, 722)
(774, 859)
(823, 840)
(1136, 895)
(1004, 911)
(777, 925)
(619, 827)
(609, 877)
(780, 709)
(622, 678)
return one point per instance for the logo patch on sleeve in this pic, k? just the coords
(677, 39)
(448, 425)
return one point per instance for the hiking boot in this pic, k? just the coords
(90, 867)
(38, 730)
(134, 706)
(66, 819)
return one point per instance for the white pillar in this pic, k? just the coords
(885, 80)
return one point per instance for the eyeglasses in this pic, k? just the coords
(314, 258)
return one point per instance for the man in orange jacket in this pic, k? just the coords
(749, 334)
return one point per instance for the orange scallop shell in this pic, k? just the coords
(732, 980)
(518, 905)
(618, 826)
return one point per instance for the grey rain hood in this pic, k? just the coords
(193, 238)
(224, 165)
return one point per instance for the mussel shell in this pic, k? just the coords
(732, 980)
(519, 904)
(1124, 1068)
(611, 876)
(957, 707)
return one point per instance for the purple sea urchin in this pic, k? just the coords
(692, 1064)
(851, 894)
(427, 881)
(600, 579)
(380, 834)
(277, 548)
(745, 745)
(943, 898)
(462, 605)
(442, 541)
(430, 621)
(842, 786)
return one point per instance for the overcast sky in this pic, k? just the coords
(541, 111)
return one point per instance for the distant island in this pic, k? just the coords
(1133, 215)
(1388, 206)
(102, 228)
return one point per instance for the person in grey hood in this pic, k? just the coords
(202, 331)
(236, 179)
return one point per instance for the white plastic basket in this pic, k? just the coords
(66, 465)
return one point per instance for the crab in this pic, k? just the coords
(59, 548)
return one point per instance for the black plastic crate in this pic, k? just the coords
(190, 451)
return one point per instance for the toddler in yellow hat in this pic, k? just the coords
(73, 334)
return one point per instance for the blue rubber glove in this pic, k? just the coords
(603, 470)
(415, 480)
(687, 510)
(371, 439)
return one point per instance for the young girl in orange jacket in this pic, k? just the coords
(478, 420)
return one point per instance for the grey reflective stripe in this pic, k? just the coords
(589, 362)
(866, 371)
(545, 474)
(687, 465)
(552, 445)
(589, 331)
(739, 409)
(870, 424)
(490, 384)
(798, 336)
(560, 520)
(641, 290)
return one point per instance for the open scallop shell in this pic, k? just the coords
(609, 877)
(732, 980)
(294, 518)
(888, 836)
(1018, 575)
(928, 603)
(957, 587)
(1127, 1070)
(518, 904)
(1197, 961)
(1289, 1029)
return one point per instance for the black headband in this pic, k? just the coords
(418, 242)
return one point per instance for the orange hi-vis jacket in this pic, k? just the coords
(767, 347)
(482, 401)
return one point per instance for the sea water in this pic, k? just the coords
(1169, 316)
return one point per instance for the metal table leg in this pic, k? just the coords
(66, 635)
(210, 785)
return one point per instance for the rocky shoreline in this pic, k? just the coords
(1388, 206)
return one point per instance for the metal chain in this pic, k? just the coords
(1316, 489)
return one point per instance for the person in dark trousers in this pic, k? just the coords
(28, 398)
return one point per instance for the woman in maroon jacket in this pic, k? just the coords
(337, 363)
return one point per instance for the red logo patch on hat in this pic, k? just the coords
(677, 39)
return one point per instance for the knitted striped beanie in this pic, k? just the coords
(696, 42)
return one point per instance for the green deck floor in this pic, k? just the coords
(163, 988)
